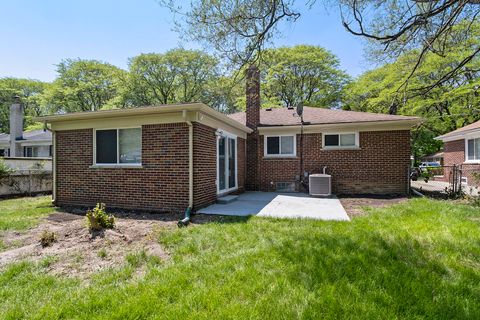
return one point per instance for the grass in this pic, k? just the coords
(417, 260)
(23, 213)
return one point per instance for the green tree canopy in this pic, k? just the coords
(30, 93)
(445, 106)
(84, 85)
(177, 76)
(302, 74)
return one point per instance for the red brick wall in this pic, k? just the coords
(252, 163)
(454, 152)
(162, 182)
(241, 163)
(205, 165)
(379, 167)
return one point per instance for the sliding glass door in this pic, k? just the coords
(226, 162)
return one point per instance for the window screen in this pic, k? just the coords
(106, 144)
(347, 140)
(286, 145)
(473, 146)
(130, 144)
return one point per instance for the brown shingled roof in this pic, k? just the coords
(472, 126)
(288, 117)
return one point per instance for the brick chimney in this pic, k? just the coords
(253, 96)
(16, 127)
(253, 120)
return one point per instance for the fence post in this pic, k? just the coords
(459, 180)
(409, 186)
(454, 178)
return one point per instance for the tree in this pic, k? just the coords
(30, 93)
(302, 74)
(84, 85)
(240, 30)
(445, 107)
(400, 26)
(174, 77)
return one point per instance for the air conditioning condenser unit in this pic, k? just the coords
(320, 184)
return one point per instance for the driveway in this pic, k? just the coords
(441, 187)
(280, 205)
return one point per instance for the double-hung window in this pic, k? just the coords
(30, 152)
(473, 150)
(280, 146)
(118, 146)
(340, 140)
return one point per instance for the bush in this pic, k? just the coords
(5, 170)
(98, 219)
(47, 238)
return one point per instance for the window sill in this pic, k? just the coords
(280, 157)
(116, 166)
(472, 162)
(340, 148)
(226, 191)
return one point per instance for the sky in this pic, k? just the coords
(37, 35)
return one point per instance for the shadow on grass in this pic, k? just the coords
(397, 274)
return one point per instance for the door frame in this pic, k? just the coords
(228, 135)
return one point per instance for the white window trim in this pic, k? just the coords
(221, 133)
(472, 137)
(118, 164)
(280, 155)
(355, 147)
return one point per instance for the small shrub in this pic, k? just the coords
(5, 170)
(47, 238)
(102, 253)
(98, 219)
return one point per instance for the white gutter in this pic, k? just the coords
(458, 136)
(190, 158)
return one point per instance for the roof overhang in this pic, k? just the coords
(459, 135)
(141, 116)
(384, 125)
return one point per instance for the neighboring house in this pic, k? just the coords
(434, 157)
(462, 147)
(30, 144)
(174, 156)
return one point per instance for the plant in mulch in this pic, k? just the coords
(47, 238)
(98, 219)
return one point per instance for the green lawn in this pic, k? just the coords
(20, 214)
(417, 260)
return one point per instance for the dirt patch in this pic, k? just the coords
(354, 204)
(78, 252)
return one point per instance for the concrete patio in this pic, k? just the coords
(280, 205)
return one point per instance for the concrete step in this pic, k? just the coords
(226, 199)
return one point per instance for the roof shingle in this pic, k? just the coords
(33, 135)
(472, 126)
(288, 117)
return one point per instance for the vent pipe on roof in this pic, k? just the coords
(16, 127)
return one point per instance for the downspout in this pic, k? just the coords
(186, 220)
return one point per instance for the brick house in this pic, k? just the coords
(177, 156)
(462, 148)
